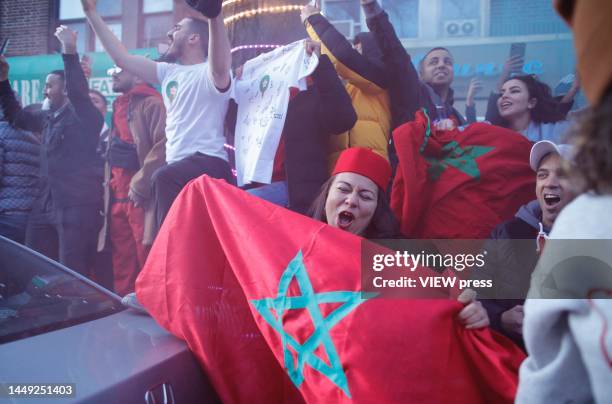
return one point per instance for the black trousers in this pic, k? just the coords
(68, 235)
(169, 180)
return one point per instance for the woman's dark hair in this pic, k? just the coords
(593, 159)
(546, 109)
(383, 223)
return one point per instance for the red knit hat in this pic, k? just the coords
(360, 160)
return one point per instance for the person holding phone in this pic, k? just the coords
(526, 105)
(65, 218)
(550, 110)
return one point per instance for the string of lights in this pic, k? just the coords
(262, 10)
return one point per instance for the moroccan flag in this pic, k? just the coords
(461, 183)
(269, 302)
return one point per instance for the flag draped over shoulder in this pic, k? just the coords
(459, 183)
(268, 302)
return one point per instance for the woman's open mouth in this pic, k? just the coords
(345, 219)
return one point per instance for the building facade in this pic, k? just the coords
(479, 33)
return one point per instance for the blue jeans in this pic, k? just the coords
(13, 226)
(275, 193)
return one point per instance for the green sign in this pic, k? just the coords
(28, 74)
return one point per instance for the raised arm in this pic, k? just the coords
(8, 102)
(335, 110)
(139, 65)
(405, 91)
(219, 57)
(349, 63)
(76, 83)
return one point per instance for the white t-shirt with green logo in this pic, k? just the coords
(195, 111)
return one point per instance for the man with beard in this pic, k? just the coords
(409, 94)
(136, 149)
(196, 92)
(65, 218)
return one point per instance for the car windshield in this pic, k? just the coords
(38, 295)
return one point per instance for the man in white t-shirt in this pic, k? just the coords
(195, 86)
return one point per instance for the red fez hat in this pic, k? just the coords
(362, 161)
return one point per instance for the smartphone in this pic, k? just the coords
(4, 46)
(517, 49)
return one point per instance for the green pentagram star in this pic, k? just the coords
(463, 159)
(310, 301)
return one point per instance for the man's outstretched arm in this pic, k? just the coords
(219, 57)
(139, 65)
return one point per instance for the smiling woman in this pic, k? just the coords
(527, 106)
(354, 198)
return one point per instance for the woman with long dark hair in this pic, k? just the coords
(527, 106)
(354, 200)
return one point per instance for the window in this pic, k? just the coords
(404, 15)
(345, 15)
(157, 21)
(156, 6)
(71, 14)
(71, 9)
(155, 29)
(115, 27)
(81, 29)
(38, 295)
(524, 17)
(343, 10)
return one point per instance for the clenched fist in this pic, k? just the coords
(67, 37)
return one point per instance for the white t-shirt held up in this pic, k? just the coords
(195, 111)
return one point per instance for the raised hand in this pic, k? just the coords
(474, 88)
(312, 47)
(513, 64)
(68, 39)
(309, 10)
(4, 68)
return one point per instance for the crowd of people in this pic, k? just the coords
(334, 162)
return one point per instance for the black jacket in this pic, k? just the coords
(408, 93)
(324, 109)
(511, 258)
(69, 164)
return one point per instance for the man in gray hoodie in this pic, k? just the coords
(511, 253)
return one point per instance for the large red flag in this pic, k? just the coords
(460, 183)
(269, 302)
